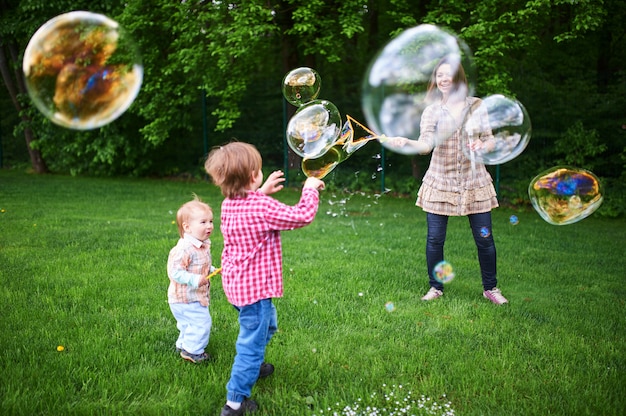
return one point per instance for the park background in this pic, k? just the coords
(213, 73)
(86, 218)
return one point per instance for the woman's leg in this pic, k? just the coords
(435, 240)
(483, 236)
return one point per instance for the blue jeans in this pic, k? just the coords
(436, 238)
(257, 325)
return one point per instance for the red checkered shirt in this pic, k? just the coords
(188, 262)
(252, 267)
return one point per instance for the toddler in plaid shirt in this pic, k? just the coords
(251, 222)
(188, 265)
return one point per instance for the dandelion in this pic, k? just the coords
(60, 348)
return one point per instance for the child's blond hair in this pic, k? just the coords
(233, 166)
(189, 210)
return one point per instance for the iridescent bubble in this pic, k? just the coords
(513, 220)
(314, 128)
(485, 232)
(395, 86)
(301, 86)
(390, 307)
(565, 195)
(443, 272)
(82, 70)
(501, 124)
(323, 165)
(342, 149)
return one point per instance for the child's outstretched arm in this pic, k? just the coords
(273, 183)
(314, 183)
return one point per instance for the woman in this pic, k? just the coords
(455, 185)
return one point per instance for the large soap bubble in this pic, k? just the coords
(503, 126)
(301, 86)
(395, 86)
(82, 70)
(323, 165)
(564, 195)
(314, 128)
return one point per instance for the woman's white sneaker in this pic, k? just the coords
(432, 294)
(495, 296)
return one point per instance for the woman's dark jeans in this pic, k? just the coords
(480, 225)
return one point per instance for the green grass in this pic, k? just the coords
(82, 265)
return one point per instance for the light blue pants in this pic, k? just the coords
(257, 325)
(194, 325)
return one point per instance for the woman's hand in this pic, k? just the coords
(405, 145)
(396, 142)
(484, 146)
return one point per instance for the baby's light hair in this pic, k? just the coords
(188, 210)
(233, 166)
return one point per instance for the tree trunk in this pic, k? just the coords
(416, 172)
(16, 85)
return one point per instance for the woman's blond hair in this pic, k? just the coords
(459, 79)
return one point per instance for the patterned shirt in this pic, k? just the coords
(451, 186)
(252, 258)
(188, 262)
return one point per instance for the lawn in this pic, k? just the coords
(82, 267)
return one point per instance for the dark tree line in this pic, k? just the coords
(213, 70)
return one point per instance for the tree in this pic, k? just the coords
(13, 79)
(232, 57)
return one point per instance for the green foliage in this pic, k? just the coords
(578, 146)
(212, 71)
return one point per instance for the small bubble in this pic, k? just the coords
(443, 272)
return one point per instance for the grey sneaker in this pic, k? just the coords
(495, 296)
(266, 370)
(432, 294)
(195, 358)
(247, 406)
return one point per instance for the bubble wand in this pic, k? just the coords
(214, 273)
(345, 145)
(471, 126)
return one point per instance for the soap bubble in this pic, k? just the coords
(394, 92)
(484, 232)
(508, 121)
(314, 128)
(565, 195)
(342, 149)
(443, 272)
(323, 165)
(390, 307)
(513, 220)
(301, 86)
(82, 70)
